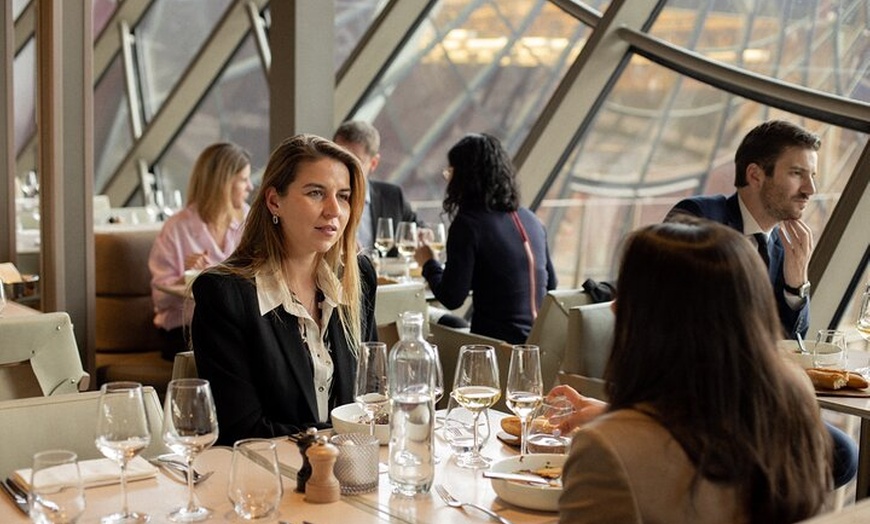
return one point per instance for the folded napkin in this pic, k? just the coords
(94, 472)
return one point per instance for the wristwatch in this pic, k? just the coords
(801, 291)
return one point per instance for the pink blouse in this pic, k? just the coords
(183, 234)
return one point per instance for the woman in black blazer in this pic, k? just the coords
(277, 326)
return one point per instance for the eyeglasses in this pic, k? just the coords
(447, 172)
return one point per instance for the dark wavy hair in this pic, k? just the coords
(483, 176)
(695, 341)
(765, 143)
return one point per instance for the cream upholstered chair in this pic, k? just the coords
(394, 299)
(68, 421)
(590, 335)
(550, 329)
(39, 356)
(449, 340)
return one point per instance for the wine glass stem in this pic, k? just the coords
(524, 436)
(124, 509)
(407, 268)
(475, 451)
(191, 503)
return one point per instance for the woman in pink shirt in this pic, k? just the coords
(202, 234)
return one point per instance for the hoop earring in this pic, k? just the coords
(275, 219)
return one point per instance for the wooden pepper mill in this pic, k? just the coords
(322, 487)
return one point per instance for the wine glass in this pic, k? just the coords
(406, 240)
(189, 427)
(370, 389)
(384, 236)
(525, 388)
(438, 240)
(122, 433)
(863, 324)
(56, 492)
(476, 388)
(438, 391)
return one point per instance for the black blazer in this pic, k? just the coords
(726, 211)
(260, 372)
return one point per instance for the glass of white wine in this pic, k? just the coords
(406, 240)
(189, 428)
(863, 324)
(370, 389)
(476, 388)
(525, 388)
(385, 238)
(122, 433)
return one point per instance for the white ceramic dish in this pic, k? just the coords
(346, 419)
(524, 495)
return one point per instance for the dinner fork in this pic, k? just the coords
(451, 501)
(182, 470)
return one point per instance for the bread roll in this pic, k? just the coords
(836, 379)
(512, 426)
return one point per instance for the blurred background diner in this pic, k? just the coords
(611, 113)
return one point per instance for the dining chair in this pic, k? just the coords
(550, 329)
(590, 335)
(28, 425)
(394, 299)
(39, 356)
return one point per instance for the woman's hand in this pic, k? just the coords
(585, 408)
(196, 261)
(423, 254)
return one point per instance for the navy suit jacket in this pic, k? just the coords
(388, 201)
(726, 210)
(260, 371)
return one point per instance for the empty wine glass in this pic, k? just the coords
(56, 493)
(525, 388)
(406, 240)
(122, 433)
(370, 389)
(438, 240)
(189, 427)
(255, 487)
(476, 388)
(385, 238)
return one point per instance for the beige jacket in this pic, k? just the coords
(625, 467)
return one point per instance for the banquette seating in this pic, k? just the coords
(127, 342)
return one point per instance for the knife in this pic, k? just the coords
(531, 479)
(19, 500)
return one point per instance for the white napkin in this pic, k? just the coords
(95, 472)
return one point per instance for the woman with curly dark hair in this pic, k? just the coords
(495, 248)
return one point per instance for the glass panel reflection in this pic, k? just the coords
(485, 66)
(112, 134)
(821, 45)
(352, 19)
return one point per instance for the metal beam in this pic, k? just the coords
(837, 110)
(376, 50)
(181, 102)
(25, 25)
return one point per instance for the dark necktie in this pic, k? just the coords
(761, 240)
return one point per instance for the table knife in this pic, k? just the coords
(19, 500)
(531, 479)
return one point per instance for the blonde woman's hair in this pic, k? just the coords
(262, 246)
(210, 186)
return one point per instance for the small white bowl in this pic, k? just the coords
(350, 418)
(530, 496)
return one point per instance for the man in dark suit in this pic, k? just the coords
(382, 198)
(775, 176)
(775, 169)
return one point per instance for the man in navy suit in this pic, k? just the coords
(382, 198)
(775, 176)
(775, 173)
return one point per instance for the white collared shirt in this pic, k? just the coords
(273, 292)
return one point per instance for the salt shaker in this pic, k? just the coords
(304, 442)
(322, 487)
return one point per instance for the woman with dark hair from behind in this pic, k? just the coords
(495, 248)
(277, 326)
(707, 421)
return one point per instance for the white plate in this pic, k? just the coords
(346, 419)
(537, 497)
